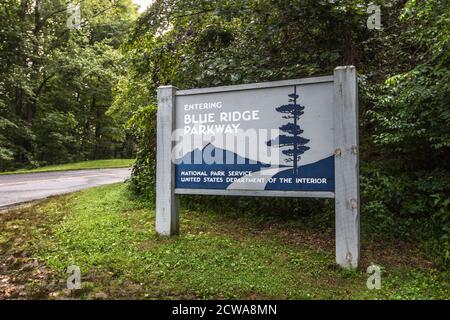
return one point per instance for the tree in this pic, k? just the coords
(297, 145)
(57, 83)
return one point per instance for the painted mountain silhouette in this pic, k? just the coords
(211, 155)
(318, 170)
(197, 169)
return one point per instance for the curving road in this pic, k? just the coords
(18, 188)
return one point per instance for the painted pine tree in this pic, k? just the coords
(291, 139)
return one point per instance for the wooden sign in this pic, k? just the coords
(293, 138)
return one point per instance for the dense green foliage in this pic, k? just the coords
(404, 92)
(56, 83)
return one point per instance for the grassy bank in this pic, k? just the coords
(109, 234)
(92, 164)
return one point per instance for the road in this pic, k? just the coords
(18, 188)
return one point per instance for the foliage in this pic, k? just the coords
(412, 206)
(56, 84)
(143, 125)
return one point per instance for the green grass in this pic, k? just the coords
(109, 234)
(92, 164)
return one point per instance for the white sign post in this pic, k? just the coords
(346, 164)
(293, 138)
(167, 217)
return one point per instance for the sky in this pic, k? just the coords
(143, 4)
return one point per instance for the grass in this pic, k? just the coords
(92, 164)
(109, 234)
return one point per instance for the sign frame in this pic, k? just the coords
(346, 158)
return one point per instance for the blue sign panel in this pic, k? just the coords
(269, 138)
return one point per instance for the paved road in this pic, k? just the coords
(17, 188)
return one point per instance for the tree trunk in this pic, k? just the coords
(19, 90)
(19, 95)
(31, 104)
(29, 113)
(97, 128)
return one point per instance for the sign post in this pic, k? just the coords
(346, 166)
(293, 138)
(167, 217)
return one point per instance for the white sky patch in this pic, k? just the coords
(143, 4)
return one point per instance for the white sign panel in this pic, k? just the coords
(275, 138)
(293, 138)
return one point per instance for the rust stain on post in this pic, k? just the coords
(353, 204)
(337, 152)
